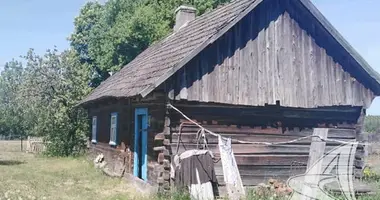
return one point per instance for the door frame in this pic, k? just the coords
(144, 143)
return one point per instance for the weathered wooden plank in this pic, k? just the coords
(268, 160)
(253, 180)
(273, 59)
(229, 64)
(269, 40)
(274, 170)
(331, 79)
(238, 59)
(192, 138)
(244, 149)
(226, 129)
(223, 129)
(262, 64)
(218, 76)
(287, 65)
(204, 80)
(183, 90)
(337, 114)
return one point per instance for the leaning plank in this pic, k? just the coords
(314, 167)
(230, 171)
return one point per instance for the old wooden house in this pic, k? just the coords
(254, 70)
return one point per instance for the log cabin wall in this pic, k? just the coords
(102, 110)
(275, 53)
(103, 113)
(257, 164)
(155, 103)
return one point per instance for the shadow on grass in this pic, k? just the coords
(11, 162)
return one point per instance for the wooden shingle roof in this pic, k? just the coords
(155, 61)
(158, 62)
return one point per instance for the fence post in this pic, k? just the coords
(314, 168)
(28, 144)
(21, 143)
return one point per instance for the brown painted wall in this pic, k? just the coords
(274, 53)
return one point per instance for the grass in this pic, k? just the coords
(25, 176)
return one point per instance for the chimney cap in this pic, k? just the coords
(186, 8)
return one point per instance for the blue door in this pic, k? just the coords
(141, 143)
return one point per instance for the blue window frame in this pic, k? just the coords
(113, 130)
(94, 129)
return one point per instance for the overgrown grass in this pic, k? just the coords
(25, 176)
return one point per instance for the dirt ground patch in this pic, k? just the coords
(25, 176)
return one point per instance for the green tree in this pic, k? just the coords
(84, 34)
(11, 120)
(55, 84)
(372, 124)
(122, 29)
(40, 99)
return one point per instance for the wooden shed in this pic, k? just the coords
(254, 70)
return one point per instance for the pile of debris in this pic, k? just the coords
(273, 187)
(99, 161)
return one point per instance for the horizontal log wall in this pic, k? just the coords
(103, 113)
(257, 163)
(155, 103)
(268, 57)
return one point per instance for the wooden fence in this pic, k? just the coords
(35, 145)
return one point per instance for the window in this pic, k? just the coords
(94, 129)
(113, 130)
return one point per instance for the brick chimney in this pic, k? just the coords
(184, 14)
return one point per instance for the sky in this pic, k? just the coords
(43, 24)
